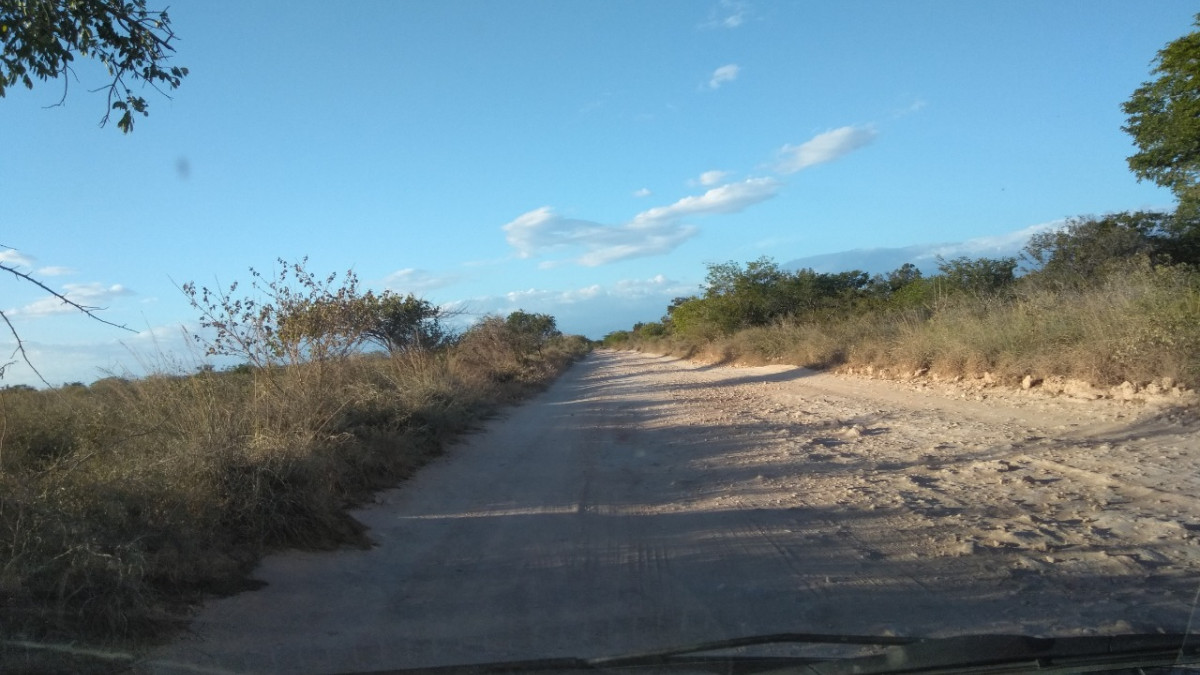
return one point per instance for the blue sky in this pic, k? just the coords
(585, 159)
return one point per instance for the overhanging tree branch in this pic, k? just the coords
(90, 312)
(40, 38)
(19, 350)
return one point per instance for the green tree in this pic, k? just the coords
(1088, 248)
(1164, 120)
(404, 323)
(650, 329)
(742, 297)
(979, 276)
(530, 331)
(696, 318)
(902, 276)
(41, 39)
(895, 286)
(615, 338)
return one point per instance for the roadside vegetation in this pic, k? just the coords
(123, 501)
(1104, 300)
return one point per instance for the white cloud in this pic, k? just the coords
(825, 147)
(625, 289)
(726, 73)
(642, 192)
(710, 178)
(729, 198)
(66, 357)
(727, 14)
(54, 271)
(924, 256)
(166, 331)
(416, 281)
(14, 258)
(92, 295)
(651, 232)
(543, 231)
(630, 242)
(1000, 245)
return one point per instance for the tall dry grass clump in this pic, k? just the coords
(123, 501)
(1136, 326)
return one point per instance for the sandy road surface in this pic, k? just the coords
(644, 502)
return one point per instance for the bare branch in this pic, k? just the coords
(89, 311)
(20, 350)
(68, 72)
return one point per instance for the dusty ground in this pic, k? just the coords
(645, 502)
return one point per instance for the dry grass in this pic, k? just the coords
(122, 502)
(1138, 326)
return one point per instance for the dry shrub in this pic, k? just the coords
(123, 501)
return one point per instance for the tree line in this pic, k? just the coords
(1083, 253)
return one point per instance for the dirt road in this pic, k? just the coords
(644, 502)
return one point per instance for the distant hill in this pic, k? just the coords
(924, 256)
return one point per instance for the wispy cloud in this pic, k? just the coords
(625, 289)
(642, 192)
(709, 178)
(54, 271)
(652, 232)
(87, 295)
(1006, 244)
(543, 231)
(924, 256)
(77, 356)
(915, 105)
(416, 281)
(824, 147)
(722, 75)
(727, 14)
(729, 198)
(14, 258)
(638, 242)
